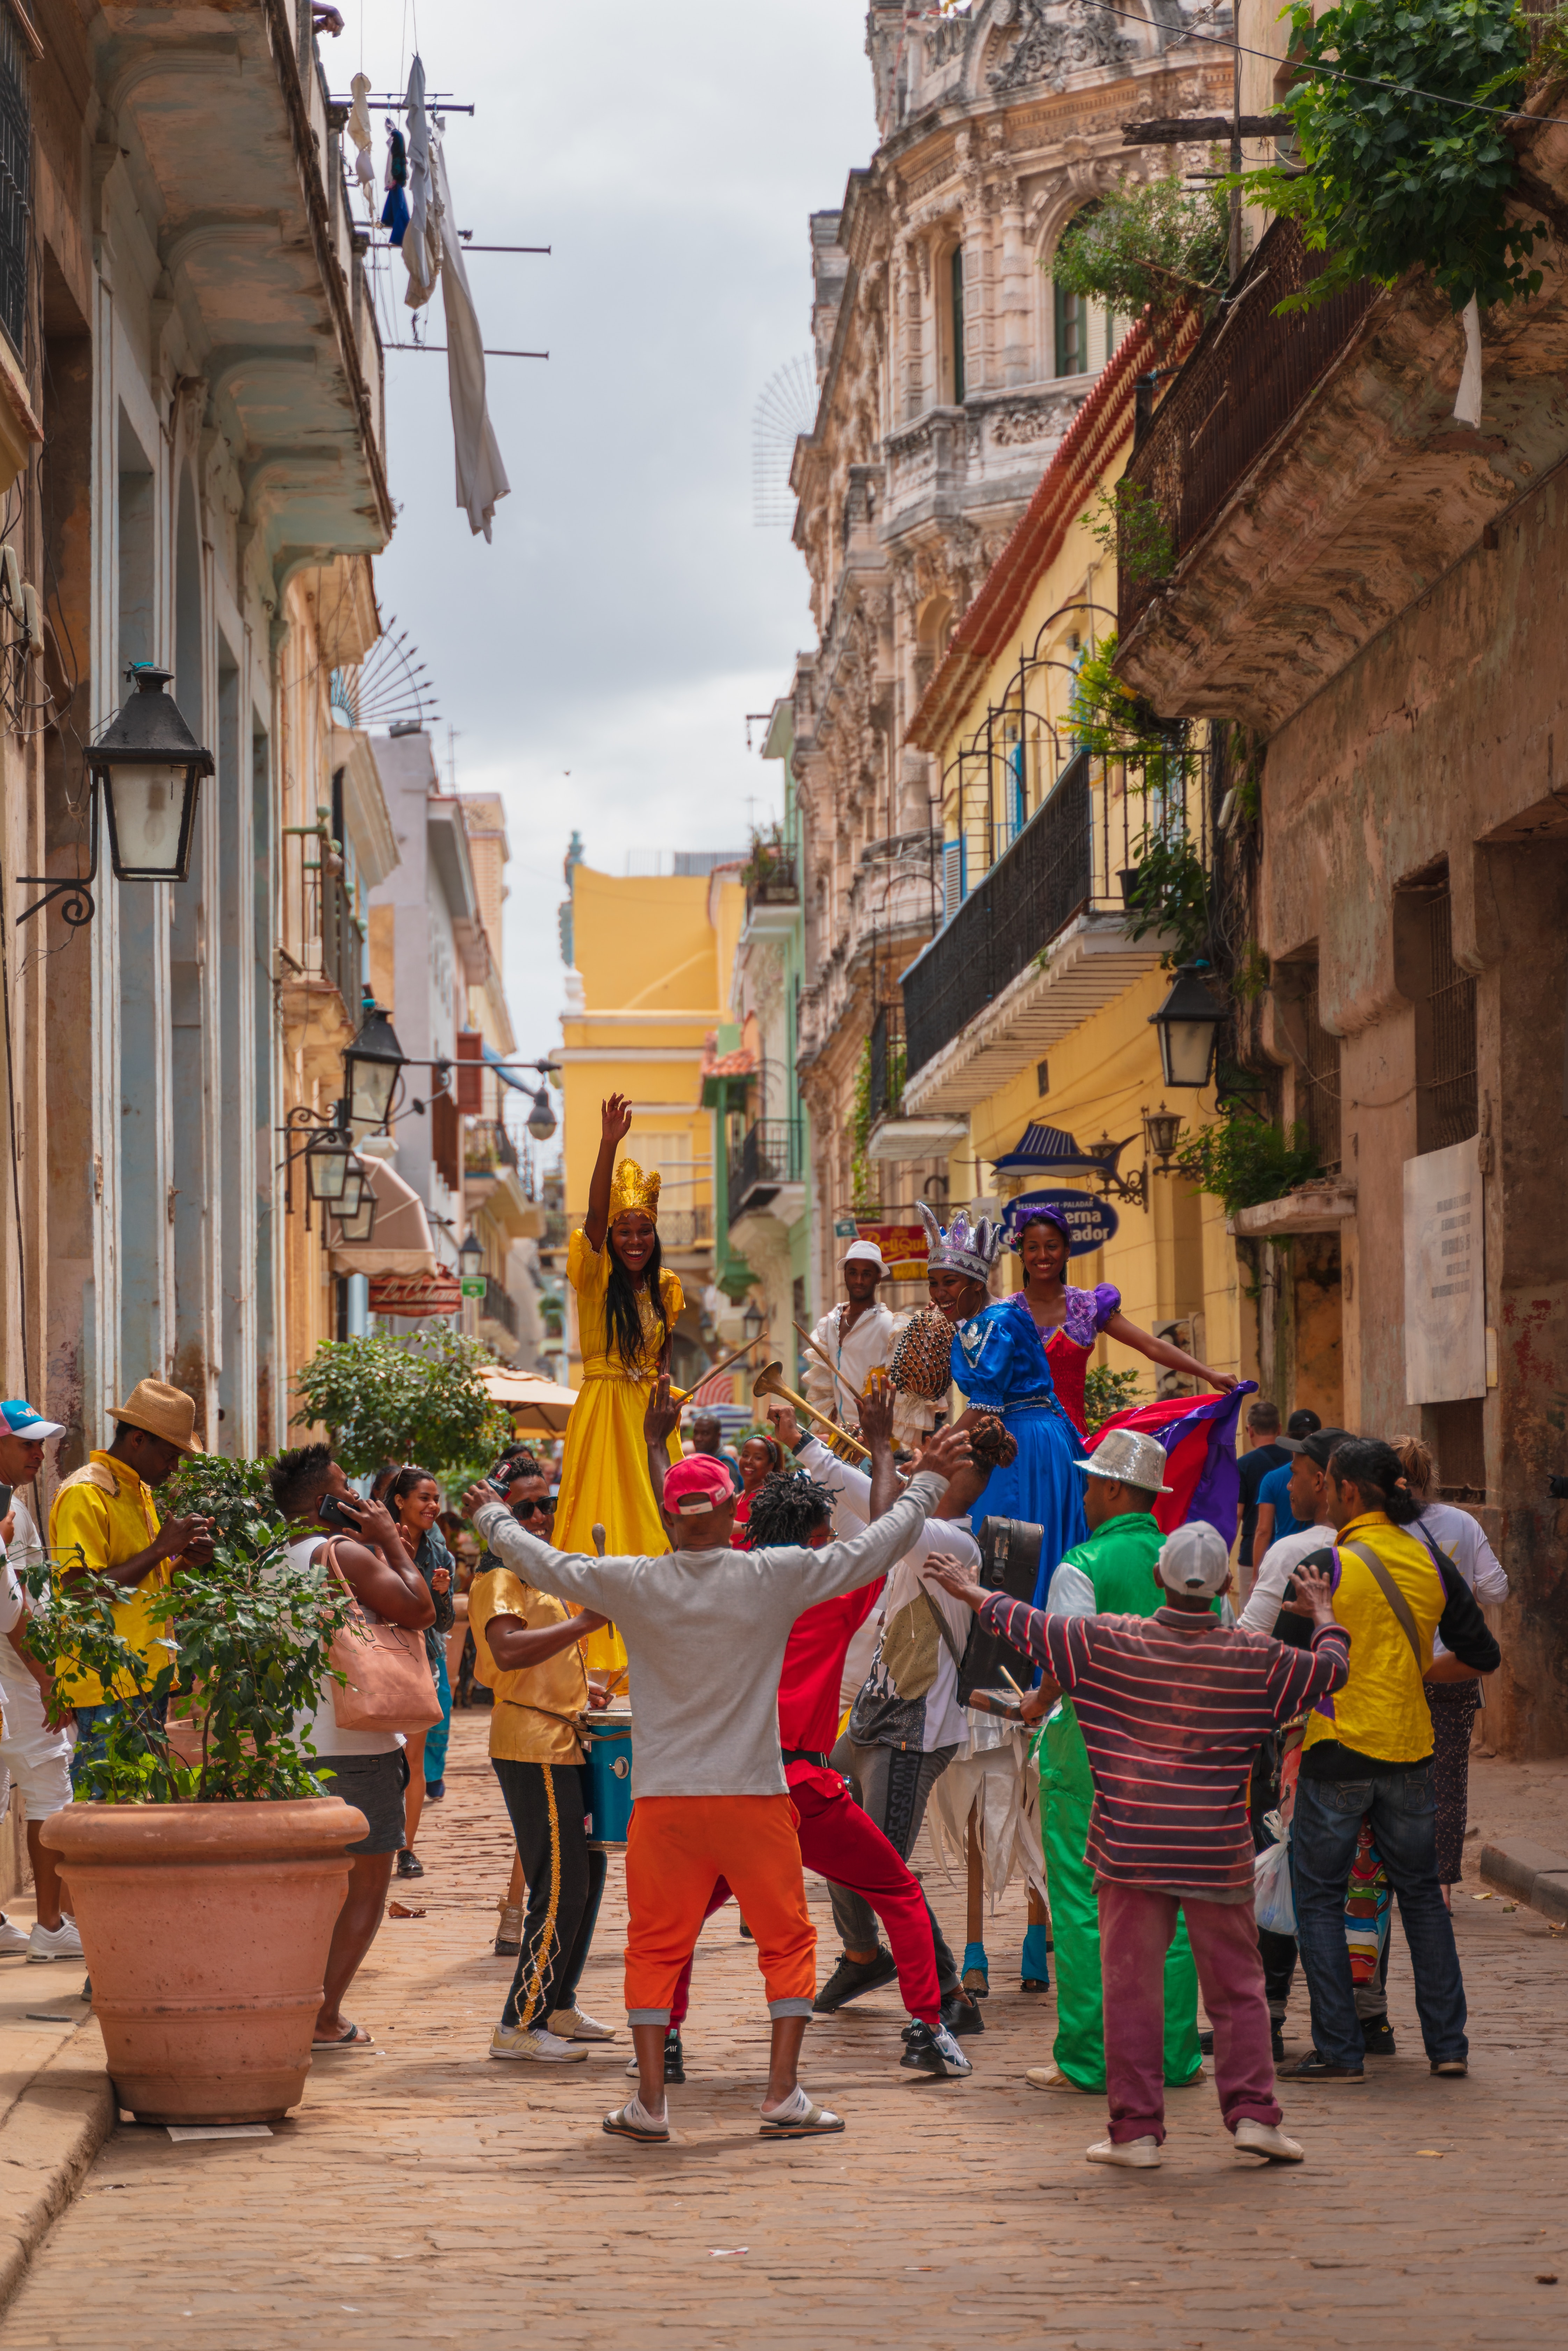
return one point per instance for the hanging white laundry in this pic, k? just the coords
(481, 476)
(1468, 405)
(361, 133)
(420, 250)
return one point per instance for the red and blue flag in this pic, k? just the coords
(1198, 1434)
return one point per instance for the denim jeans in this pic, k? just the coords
(1402, 1807)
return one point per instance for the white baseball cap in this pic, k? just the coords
(865, 1253)
(1195, 1560)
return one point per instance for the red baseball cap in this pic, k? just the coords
(698, 1483)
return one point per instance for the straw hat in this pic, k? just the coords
(162, 1411)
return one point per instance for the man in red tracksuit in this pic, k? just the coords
(838, 1840)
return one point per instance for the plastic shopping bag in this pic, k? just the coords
(1271, 1898)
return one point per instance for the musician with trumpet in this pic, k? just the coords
(854, 1339)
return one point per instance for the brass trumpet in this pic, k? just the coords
(770, 1381)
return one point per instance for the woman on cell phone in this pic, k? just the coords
(414, 1497)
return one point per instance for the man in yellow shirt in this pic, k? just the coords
(105, 1522)
(527, 1649)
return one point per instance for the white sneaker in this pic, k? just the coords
(576, 2024)
(1266, 2138)
(542, 2048)
(1131, 2154)
(15, 1939)
(1050, 2077)
(61, 1942)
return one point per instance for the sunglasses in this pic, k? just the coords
(546, 1509)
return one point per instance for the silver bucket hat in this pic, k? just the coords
(1131, 1460)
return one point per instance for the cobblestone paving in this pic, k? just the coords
(427, 2196)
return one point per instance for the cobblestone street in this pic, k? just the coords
(424, 2195)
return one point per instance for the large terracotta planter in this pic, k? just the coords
(206, 1928)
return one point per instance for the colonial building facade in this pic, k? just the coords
(950, 367)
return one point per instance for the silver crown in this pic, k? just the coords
(965, 1247)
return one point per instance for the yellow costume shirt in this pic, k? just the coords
(1381, 1709)
(105, 1512)
(535, 1706)
(604, 1472)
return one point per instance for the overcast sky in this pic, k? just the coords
(628, 613)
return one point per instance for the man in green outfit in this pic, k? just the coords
(1111, 1574)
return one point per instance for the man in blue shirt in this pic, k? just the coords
(1265, 1453)
(1275, 1517)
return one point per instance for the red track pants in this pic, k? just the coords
(840, 1842)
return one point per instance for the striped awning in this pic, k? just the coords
(717, 1388)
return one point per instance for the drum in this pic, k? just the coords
(608, 1737)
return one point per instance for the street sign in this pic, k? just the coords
(1091, 1222)
(474, 1285)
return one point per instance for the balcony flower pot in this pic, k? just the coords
(206, 1928)
(207, 1862)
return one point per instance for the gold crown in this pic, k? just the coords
(632, 1190)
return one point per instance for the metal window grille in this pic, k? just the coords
(1321, 1091)
(1456, 1106)
(16, 149)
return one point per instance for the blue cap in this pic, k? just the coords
(21, 1420)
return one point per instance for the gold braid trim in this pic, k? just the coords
(544, 1949)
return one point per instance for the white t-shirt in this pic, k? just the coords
(23, 1551)
(1461, 1538)
(1275, 1569)
(323, 1723)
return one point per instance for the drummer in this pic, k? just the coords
(526, 1647)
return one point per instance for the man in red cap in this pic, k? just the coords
(706, 1628)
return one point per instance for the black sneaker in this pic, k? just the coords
(1276, 2036)
(674, 2058)
(1315, 2067)
(961, 2014)
(851, 1978)
(1206, 2042)
(436, 1792)
(409, 1863)
(932, 2050)
(1377, 2034)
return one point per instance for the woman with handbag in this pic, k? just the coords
(414, 1497)
(360, 1722)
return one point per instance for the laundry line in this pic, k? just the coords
(488, 353)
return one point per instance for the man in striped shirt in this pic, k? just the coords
(1172, 1707)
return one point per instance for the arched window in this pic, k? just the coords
(1081, 334)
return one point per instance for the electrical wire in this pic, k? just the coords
(16, 1164)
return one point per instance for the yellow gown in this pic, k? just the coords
(604, 1469)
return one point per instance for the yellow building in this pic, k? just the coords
(649, 962)
(1030, 1009)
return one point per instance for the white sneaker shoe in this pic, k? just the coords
(61, 1942)
(1266, 2138)
(541, 2048)
(1131, 2154)
(15, 1939)
(576, 2024)
(1050, 2077)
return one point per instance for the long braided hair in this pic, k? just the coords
(623, 1320)
(786, 1509)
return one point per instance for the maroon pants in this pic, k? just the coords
(1135, 1929)
(839, 1841)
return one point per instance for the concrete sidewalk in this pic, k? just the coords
(426, 2196)
(57, 2107)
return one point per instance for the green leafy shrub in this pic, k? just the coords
(1105, 1394)
(1170, 894)
(1154, 246)
(1131, 528)
(1388, 178)
(1244, 1159)
(233, 1494)
(403, 1400)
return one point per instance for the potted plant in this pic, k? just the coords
(207, 1864)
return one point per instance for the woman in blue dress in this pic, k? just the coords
(999, 1361)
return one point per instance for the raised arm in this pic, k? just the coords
(561, 1573)
(659, 1423)
(1160, 1351)
(842, 1566)
(614, 1126)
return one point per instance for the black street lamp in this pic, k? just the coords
(753, 1321)
(1162, 1128)
(150, 766)
(472, 1253)
(327, 1157)
(372, 1067)
(1188, 1023)
(355, 1183)
(541, 1118)
(354, 1229)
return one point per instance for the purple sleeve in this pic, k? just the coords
(1107, 1301)
(1054, 1642)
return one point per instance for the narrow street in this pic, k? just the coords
(424, 2195)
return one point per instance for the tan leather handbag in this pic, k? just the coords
(387, 1682)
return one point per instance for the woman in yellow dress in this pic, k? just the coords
(626, 1310)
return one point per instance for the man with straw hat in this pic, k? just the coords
(105, 1522)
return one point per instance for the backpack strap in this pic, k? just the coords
(1392, 1593)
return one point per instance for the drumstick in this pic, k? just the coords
(685, 1396)
(828, 1360)
(598, 1534)
(1010, 1681)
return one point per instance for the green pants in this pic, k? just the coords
(1080, 2049)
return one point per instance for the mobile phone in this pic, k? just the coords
(499, 1481)
(332, 1513)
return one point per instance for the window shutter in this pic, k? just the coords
(952, 878)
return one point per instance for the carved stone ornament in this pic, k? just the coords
(1066, 41)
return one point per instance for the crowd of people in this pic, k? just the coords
(807, 1644)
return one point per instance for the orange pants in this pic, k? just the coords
(677, 1848)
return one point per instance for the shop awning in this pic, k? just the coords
(1042, 1148)
(401, 1241)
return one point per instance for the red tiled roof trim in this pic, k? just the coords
(1100, 425)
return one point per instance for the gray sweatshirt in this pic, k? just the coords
(705, 1633)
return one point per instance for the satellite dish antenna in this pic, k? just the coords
(786, 408)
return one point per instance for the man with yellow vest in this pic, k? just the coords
(105, 1522)
(1368, 1755)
